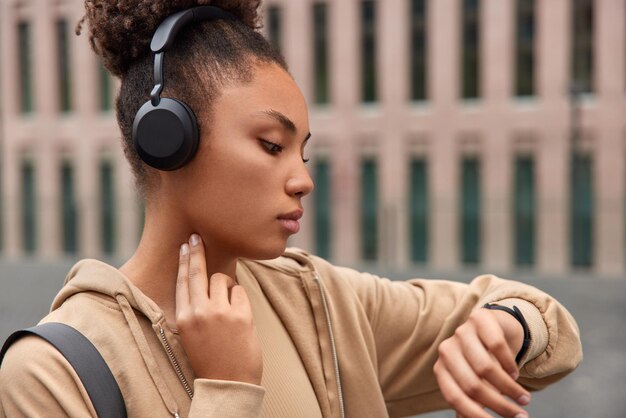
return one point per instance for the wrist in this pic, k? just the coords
(515, 328)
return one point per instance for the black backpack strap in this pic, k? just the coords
(91, 368)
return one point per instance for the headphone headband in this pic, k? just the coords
(168, 29)
(165, 34)
(165, 131)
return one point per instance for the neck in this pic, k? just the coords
(154, 265)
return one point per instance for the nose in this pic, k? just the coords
(300, 182)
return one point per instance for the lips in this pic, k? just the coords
(290, 220)
(293, 216)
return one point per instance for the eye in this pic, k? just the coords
(271, 147)
(304, 144)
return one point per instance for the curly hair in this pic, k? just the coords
(206, 57)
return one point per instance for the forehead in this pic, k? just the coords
(271, 89)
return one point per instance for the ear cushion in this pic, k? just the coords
(165, 136)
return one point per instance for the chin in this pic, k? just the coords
(268, 252)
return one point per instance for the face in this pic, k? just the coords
(243, 190)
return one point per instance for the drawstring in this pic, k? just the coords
(146, 353)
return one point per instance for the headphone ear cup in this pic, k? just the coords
(165, 136)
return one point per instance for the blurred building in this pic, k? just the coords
(446, 134)
(66, 187)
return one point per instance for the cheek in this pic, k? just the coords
(240, 217)
(238, 196)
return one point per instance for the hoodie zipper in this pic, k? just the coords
(177, 368)
(332, 345)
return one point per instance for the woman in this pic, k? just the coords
(191, 326)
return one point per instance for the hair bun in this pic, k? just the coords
(120, 31)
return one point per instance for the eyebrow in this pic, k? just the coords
(282, 119)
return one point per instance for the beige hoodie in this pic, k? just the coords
(367, 344)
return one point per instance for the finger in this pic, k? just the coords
(198, 281)
(455, 396)
(520, 401)
(473, 386)
(239, 300)
(492, 336)
(218, 288)
(182, 279)
(487, 367)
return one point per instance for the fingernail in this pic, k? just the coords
(184, 249)
(523, 400)
(195, 239)
(520, 415)
(515, 375)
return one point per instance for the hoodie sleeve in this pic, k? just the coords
(220, 398)
(37, 381)
(409, 319)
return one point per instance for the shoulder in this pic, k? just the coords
(27, 355)
(98, 317)
(35, 375)
(296, 262)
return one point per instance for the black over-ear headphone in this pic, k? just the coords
(165, 131)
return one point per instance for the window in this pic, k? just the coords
(322, 204)
(418, 49)
(320, 50)
(275, 27)
(106, 98)
(368, 51)
(524, 207)
(418, 210)
(29, 207)
(582, 45)
(369, 210)
(68, 209)
(2, 199)
(582, 211)
(64, 66)
(470, 69)
(524, 48)
(25, 67)
(107, 207)
(470, 210)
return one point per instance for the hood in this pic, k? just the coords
(95, 276)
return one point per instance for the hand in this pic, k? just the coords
(214, 320)
(476, 367)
